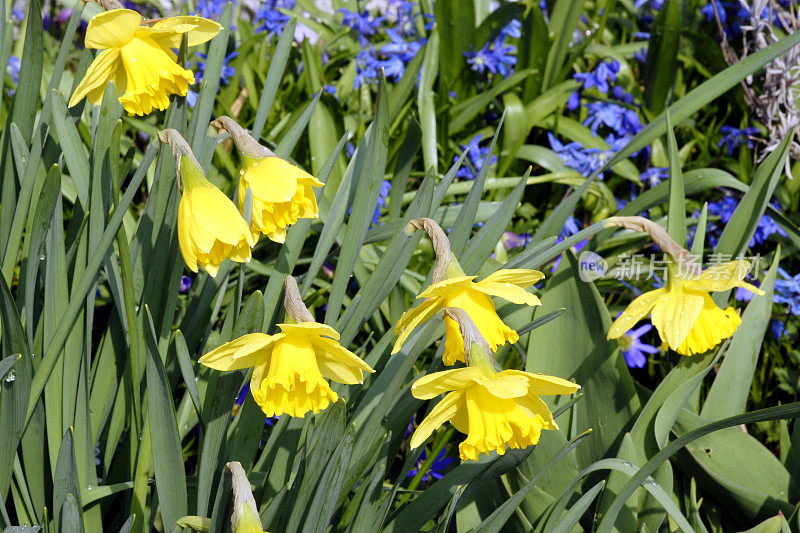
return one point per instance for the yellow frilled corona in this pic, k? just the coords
(493, 409)
(282, 192)
(138, 58)
(452, 288)
(687, 319)
(290, 368)
(210, 228)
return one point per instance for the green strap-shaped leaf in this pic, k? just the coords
(731, 388)
(676, 222)
(771, 413)
(167, 453)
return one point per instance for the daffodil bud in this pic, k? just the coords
(282, 192)
(210, 228)
(245, 517)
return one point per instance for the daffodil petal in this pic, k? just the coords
(433, 385)
(521, 277)
(413, 318)
(674, 315)
(339, 364)
(102, 70)
(447, 285)
(507, 291)
(243, 352)
(184, 241)
(637, 310)
(542, 384)
(272, 179)
(309, 329)
(112, 29)
(721, 277)
(219, 216)
(444, 411)
(532, 406)
(168, 31)
(506, 385)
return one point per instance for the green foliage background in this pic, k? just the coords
(108, 423)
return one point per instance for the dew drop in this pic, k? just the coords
(136, 308)
(41, 257)
(134, 59)
(11, 376)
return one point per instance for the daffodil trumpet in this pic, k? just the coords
(451, 287)
(686, 318)
(137, 57)
(210, 228)
(290, 368)
(282, 192)
(495, 410)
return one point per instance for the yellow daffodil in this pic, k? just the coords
(473, 297)
(290, 368)
(139, 58)
(282, 192)
(452, 288)
(494, 409)
(245, 517)
(210, 229)
(687, 319)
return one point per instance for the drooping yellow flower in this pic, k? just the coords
(687, 319)
(290, 368)
(473, 297)
(282, 192)
(139, 58)
(494, 409)
(210, 228)
(245, 517)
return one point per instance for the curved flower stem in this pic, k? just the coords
(441, 245)
(293, 302)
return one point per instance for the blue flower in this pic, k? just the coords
(383, 194)
(622, 120)
(724, 208)
(364, 24)
(437, 466)
(225, 74)
(574, 101)
(571, 227)
(397, 54)
(185, 284)
(512, 241)
(604, 72)
(733, 137)
(708, 11)
(743, 295)
(634, 350)
(641, 55)
(766, 227)
(210, 9)
(494, 57)
(787, 291)
(270, 19)
(778, 328)
(620, 94)
(585, 160)
(330, 89)
(13, 68)
(366, 67)
(655, 4)
(475, 158)
(653, 175)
